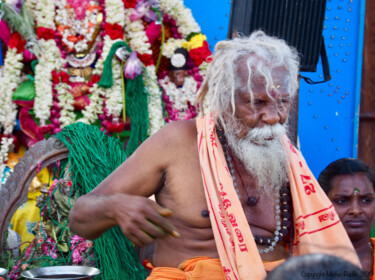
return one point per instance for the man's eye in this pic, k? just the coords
(283, 101)
(258, 102)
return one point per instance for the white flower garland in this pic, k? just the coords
(96, 102)
(171, 45)
(31, 5)
(180, 96)
(8, 111)
(185, 21)
(50, 60)
(136, 34)
(45, 14)
(115, 12)
(66, 103)
(6, 145)
(155, 113)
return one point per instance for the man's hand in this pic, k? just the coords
(142, 220)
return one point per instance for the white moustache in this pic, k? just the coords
(263, 135)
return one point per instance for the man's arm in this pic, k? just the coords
(121, 199)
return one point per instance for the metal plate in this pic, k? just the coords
(3, 272)
(61, 272)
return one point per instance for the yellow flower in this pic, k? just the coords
(195, 42)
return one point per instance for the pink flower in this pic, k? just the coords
(76, 257)
(142, 9)
(133, 66)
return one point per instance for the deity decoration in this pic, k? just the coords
(179, 88)
(126, 66)
(59, 56)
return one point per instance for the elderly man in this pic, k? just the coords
(234, 198)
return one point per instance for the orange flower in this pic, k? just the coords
(72, 38)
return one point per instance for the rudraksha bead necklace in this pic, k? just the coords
(282, 199)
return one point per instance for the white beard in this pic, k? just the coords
(264, 159)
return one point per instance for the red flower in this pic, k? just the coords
(17, 42)
(64, 77)
(114, 31)
(115, 127)
(45, 33)
(130, 3)
(55, 77)
(146, 59)
(198, 55)
(95, 78)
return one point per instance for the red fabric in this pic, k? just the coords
(28, 125)
(4, 32)
(114, 31)
(24, 103)
(45, 33)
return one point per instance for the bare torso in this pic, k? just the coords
(167, 165)
(182, 192)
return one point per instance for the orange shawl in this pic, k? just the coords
(317, 225)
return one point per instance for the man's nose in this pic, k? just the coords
(271, 115)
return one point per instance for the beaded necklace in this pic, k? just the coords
(282, 199)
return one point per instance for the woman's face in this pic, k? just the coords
(354, 200)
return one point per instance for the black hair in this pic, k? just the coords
(344, 166)
(317, 266)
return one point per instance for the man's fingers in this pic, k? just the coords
(153, 229)
(140, 238)
(163, 223)
(165, 212)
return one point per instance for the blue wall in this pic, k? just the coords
(328, 112)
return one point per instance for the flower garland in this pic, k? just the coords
(154, 100)
(182, 15)
(53, 85)
(179, 100)
(49, 60)
(138, 41)
(64, 99)
(114, 103)
(70, 26)
(8, 111)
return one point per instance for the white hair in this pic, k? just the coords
(262, 54)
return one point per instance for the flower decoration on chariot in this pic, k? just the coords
(78, 24)
(179, 60)
(133, 66)
(143, 9)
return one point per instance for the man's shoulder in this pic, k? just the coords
(180, 130)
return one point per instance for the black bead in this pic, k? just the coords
(284, 206)
(252, 201)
